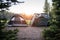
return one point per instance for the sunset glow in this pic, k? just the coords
(29, 7)
(27, 17)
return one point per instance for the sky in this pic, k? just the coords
(29, 6)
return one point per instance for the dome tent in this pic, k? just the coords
(17, 20)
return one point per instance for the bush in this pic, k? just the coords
(7, 34)
(52, 33)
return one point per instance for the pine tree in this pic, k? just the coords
(4, 4)
(6, 34)
(53, 32)
(46, 7)
(56, 8)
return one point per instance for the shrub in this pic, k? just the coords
(6, 34)
(52, 33)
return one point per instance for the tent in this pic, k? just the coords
(17, 20)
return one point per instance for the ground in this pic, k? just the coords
(29, 33)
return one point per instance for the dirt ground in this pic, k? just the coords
(29, 33)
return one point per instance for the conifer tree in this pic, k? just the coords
(46, 7)
(53, 32)
(6, 34)
(56, 8)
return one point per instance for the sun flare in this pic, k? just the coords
(17, 10)
(28, 13)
